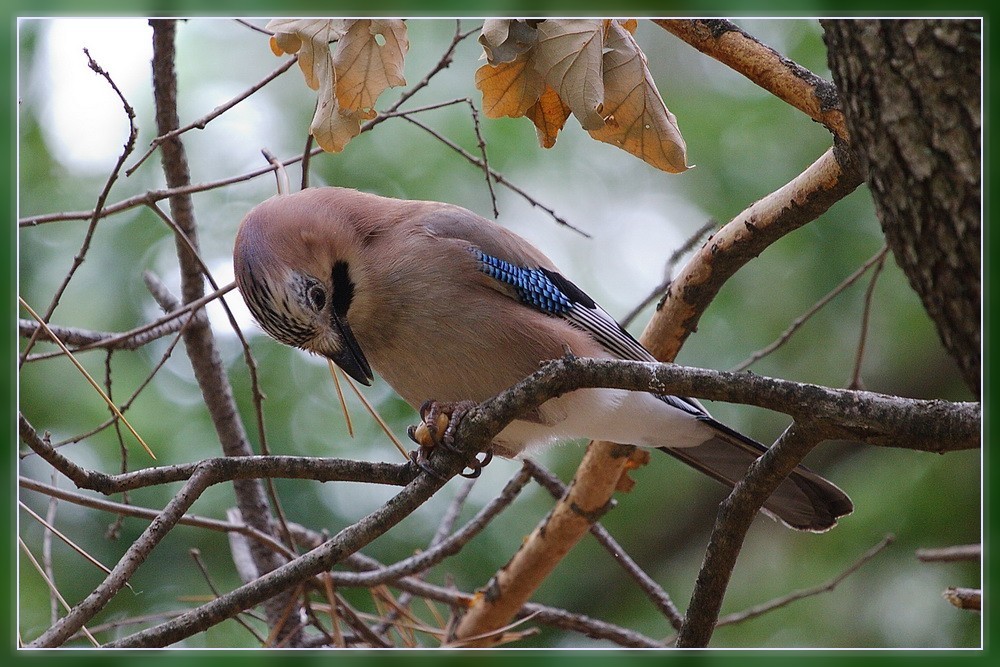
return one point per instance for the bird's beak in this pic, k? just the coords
(350, 358)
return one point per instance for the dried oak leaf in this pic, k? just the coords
(636, 118)
(368, 60)
(310, 39)
(568, 56)
(509, 88)
(549, 114)
(333, 126)
(504, 40)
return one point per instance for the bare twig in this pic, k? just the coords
(653, 590)
(866, 310)
(963, 552)
(90, 379)
(815, 308)
(49, 528)
(280, 175)
(668, 271)
(128, 340)
(446, 547)
(825, 587)
(148, 514)
(98, 209)
(499, 178)
(50, 519)
(196, 557)
(203, 122)
(52, 586)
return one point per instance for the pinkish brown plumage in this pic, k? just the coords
(446, 305)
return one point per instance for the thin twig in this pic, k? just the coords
(203, 569)
(497, 177)
(964, 552)
(149, 514)
(203, 122)
(446, 547)
(668, 271)
(52, 586)
(280, 175)
(98, 209)
(653, 590)
(50, 519)
(90, 379)
(127, 340)
(866, 311)
(794, 596)
(65, 539)
(877, 258)
(112, 531)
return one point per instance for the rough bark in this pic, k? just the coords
(911, 91)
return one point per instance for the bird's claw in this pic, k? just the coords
(438, 422)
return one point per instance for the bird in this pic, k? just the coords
(446, 305)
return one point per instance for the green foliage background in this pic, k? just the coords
(745, 144)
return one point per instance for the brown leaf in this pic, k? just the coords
(568, 56)
(549, 114)
(504, 40)
(310, 38)
(333, 127)
(637, 119)
(509, 89)
(369, 59)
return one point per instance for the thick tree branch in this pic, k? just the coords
(805, 198)
(787, 80)
(198, 339)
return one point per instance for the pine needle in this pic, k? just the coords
(79, 366)
(340, 395)
(374, 413)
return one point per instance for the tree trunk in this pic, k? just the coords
(911, 92)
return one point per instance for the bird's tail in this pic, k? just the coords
(803, 500)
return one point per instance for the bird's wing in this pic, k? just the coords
(516, 268)
(550, 292)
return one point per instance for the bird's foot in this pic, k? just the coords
(438, 422)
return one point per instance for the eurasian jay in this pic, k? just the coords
(449, 306)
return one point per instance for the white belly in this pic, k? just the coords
(616, 415)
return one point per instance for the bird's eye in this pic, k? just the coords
(317, 297)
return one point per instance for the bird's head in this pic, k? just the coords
(295, 277)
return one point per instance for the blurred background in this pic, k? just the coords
(744, 144)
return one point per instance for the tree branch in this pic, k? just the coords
(198, 339)
(349, 540)
(790, 82)
(802, 200)
(736, 513)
